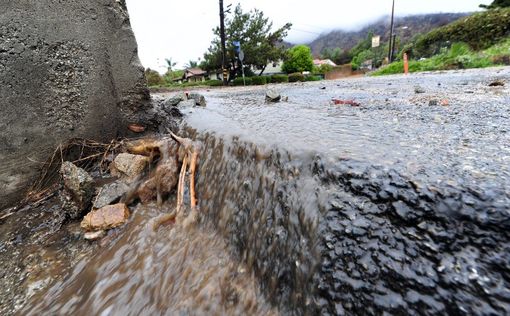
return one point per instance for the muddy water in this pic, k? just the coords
(394, 207)
(179, 268)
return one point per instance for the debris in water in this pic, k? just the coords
(345, 102)
(137, 128)
(419, 90)
(190, 157)
(273, 96)
(110, 216)
(94, 235)
(497, 83)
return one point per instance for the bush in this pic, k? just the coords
(259, 81)
(459, 56)
(214, 83)
(313, 78)
(279, 78)
(239, 81)
(295, 77)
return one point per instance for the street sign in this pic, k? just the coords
(237, 46)
(241, 55)
(376, 41)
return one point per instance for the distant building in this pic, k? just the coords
(319, 62)
(273, 68)
(194, 75)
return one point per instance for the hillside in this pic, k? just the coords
(415, 24)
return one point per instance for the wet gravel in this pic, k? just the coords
(411, 198)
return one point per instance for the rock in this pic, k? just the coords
(497, 83)
(174, 100)
(199, 99)
(94, 235)
(433, 102)
(81, 79)
(273, 96)
(79, 186)
(166, 176)
(419, 89)
(110, 193)
(128, 165)
(187, 104)
(110, 216)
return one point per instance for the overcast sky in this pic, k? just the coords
(182, 29)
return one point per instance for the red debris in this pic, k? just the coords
(137, 128)
(345, 102)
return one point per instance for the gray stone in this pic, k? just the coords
(78, 189)
(199, 99)
(273, 96)
(67, 69)
(110, 193)
(187, 104)
(419, 90)
(174, 100)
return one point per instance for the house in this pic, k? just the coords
(194, 75)
(273, 68)
(320, 62)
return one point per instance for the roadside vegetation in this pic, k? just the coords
(477, 41)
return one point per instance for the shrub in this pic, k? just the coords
(479, 31)
(295, 77)
(214, 83)
(313, 78)
(279, 78)
(239, 81)
(259, 80)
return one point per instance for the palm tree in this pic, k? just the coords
(191, 64)
(169, 64)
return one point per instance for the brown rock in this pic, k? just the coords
(164, 179)
(110, 216)
(128, 165)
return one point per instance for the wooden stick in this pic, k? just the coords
(192, 179)
(180, 189)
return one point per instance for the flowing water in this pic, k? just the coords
(304, 208)
(179, 268)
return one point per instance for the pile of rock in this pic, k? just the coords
(183, 100)
(129, 180)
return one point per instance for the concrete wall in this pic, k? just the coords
(67, 69)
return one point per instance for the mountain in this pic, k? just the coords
(405, 28)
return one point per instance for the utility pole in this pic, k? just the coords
(392, 38)
(223, 48)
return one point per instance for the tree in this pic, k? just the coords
(496, 4)
(337, 55)
(191, 64)
(299, 58)
(259, 43)
(153, 77)
(169, 64)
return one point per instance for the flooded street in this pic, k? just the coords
(305, 207)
